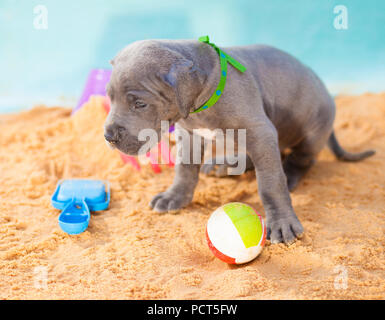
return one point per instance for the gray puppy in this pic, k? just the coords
(279, 101)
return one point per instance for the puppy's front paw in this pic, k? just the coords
(284, 229)
(168, 201)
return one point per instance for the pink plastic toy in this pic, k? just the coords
(162, 149)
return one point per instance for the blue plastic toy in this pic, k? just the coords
(77, 197)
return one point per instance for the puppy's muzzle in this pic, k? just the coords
(113, 133)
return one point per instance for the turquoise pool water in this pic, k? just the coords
(51, 65)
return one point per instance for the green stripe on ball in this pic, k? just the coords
(246, 221)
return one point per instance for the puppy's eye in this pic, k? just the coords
(140, 104)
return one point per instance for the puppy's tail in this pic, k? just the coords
(343, 155)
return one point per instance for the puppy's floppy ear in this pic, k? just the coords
(186, 81)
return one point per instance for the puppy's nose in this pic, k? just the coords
(111, 133)
(110, 137)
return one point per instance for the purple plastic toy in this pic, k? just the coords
(96, 85)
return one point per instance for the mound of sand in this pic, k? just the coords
(131, 252)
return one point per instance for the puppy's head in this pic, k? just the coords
(149, 83)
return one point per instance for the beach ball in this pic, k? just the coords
(236, 233)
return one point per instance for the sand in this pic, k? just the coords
(131, 252)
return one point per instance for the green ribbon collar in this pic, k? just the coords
(224, 58)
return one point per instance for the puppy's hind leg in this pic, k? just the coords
(302, 158)
(295, 166)
(218, 166)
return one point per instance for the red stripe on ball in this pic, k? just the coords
(217, 253)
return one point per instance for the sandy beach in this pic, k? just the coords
(132, 252)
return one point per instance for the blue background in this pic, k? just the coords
(51, 66)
